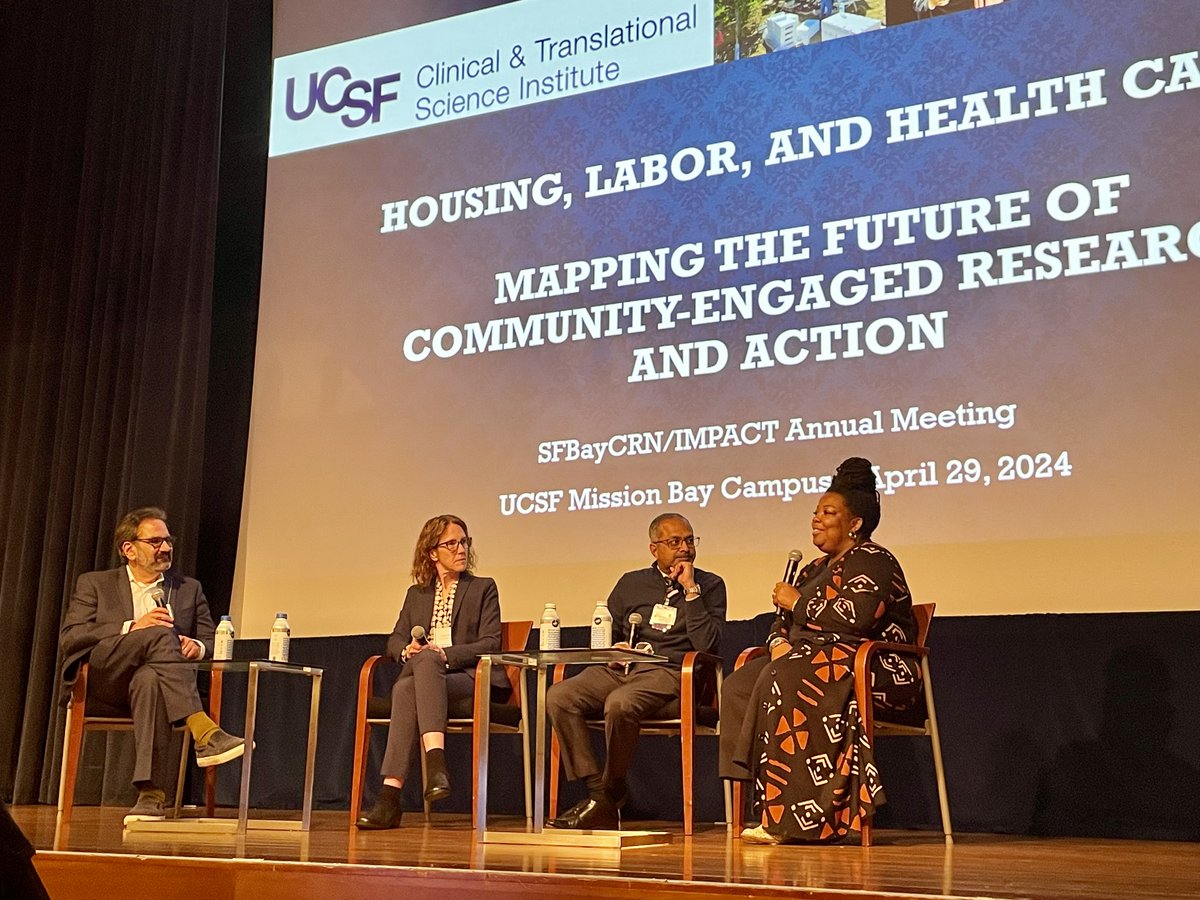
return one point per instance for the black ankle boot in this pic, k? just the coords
(385, 813)
(437, 782)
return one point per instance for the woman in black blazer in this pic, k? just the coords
(449, 618)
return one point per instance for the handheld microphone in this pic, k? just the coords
(160, 600)
(418, 635)
(792, 569)
(785, 617)
(635, 619)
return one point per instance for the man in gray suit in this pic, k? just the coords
(134, 625)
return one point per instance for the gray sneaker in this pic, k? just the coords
(221, 748)
(147, 809)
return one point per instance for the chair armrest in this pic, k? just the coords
(748, 654)
(705, 667)
(79, 687)
(862, 673)
(867, 649)
(483, 689)
(516, 688)
(366, 677)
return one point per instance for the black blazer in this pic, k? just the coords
(474, 624)
(102, 604)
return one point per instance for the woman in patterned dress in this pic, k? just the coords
(801, 738)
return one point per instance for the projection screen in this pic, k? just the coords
(557, 267)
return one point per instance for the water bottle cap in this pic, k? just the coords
(281, 615)
(225, 618)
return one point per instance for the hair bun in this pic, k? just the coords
(855, 474)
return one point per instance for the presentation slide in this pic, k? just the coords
(557, 267)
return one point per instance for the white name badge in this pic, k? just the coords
(441, 636)
(663, 617)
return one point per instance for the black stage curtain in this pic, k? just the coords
(108, 204)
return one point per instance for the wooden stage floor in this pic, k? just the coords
(96, 859)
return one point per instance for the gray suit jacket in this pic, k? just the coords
(474, 624)
(102, 604)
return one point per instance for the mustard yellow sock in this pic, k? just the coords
(201, 727)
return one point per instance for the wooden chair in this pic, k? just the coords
(873, 725)
(84, 716)
(696, 712)
(735, 805)
(509, 717)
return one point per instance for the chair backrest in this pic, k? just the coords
(514, 636)
(923, 613)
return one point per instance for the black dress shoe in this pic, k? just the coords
(592, 815)
(570, 817)
(383, 815)
(438, 787)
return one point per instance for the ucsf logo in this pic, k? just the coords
(337, 90)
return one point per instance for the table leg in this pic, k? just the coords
(310, 760)
(539, 753)
(215, 688)
(247, 755)
(479, 735)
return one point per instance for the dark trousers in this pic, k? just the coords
(420, 698)
(146, 672)
(737, 720)
(625, 699)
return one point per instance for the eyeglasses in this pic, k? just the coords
(453, 545)
(156, 542)
(676, 542)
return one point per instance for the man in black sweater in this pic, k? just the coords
(682, 608)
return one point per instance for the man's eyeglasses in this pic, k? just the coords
(156, 542)
(676, 542)
(453, 545)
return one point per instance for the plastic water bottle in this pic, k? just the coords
(281, 637)
(223, 646)
(550, 635)
(601, 627)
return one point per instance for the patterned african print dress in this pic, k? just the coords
(814, 769)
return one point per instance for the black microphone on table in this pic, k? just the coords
(418, 635)
(785, 617)
(635, 619)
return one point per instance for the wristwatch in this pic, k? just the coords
(693, 591)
